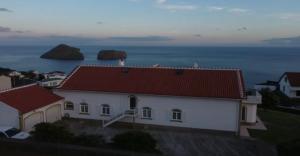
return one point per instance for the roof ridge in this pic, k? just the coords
(240, 84)
(16, 88)
(160, 67)
(69, 76)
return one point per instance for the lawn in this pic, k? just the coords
(283, 131)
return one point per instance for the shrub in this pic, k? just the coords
(136, 141)
(269, 99)
(51, 133)
(89, 140)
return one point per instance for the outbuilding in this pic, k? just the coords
(26, 106)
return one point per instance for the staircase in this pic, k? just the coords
(127, 113)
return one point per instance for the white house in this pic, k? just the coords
(53, 82)
(157, 96)
(55, 75)
(271, 85)
(25, 106)
(5, 82)
(290, 84)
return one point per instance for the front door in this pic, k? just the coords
(132, 102)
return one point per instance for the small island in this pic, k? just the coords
(63, 52)
(111, 55)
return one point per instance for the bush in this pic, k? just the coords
(51, 133)
(89, 140)
(56, 133)
(269, 99)
(136, 141)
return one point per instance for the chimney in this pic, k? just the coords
(122, 62)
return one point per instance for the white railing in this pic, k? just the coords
(128, 113)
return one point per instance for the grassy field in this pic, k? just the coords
(283, 131)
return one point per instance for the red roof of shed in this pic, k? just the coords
(28, 98)
(157, 81)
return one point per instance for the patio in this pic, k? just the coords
(180, 143)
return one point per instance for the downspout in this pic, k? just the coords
(239, 118)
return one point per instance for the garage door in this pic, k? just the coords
(53, 113)
(32, 120)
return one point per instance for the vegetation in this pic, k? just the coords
(48, 132)
(283, 131)
(269, 98)
(51, 133)
(63, 52)
(136, 141)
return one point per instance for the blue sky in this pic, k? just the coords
(150, 22)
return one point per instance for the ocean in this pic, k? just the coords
(257, 63)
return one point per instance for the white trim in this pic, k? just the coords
(68, 77)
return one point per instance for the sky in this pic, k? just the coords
(151, 22)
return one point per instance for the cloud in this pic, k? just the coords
(238, 10)
(215, 8)
(292, 41)
(5, 29)
(140, 39)
(5, 10)
(289, 16)
(161, 1)
(198, 35)
(163, 4)
(99, 22)
(80, 40)
(178, 7)
(9, 30)
(242, 29)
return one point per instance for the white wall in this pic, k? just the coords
(197, 112)
(251, 112)
(5, 82)
(289, 90)
(9, 116)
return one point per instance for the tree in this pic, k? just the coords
(269, 98)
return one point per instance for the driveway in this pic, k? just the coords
(179, 143)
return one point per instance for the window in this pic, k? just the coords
(132, 102)
(176, 115)
(283, 89)
(105, 109)
(147, 113)
(285, 79)
(298, 93)
(69, 105)
(84, 108)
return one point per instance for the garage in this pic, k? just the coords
(53, 113)
(32, 120)
(33, 105)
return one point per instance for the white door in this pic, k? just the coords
(53, 114)
(32, 120)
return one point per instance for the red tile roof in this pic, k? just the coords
(157, 81)
(294, 78)
(28, 98)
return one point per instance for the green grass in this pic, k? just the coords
(283, 131)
